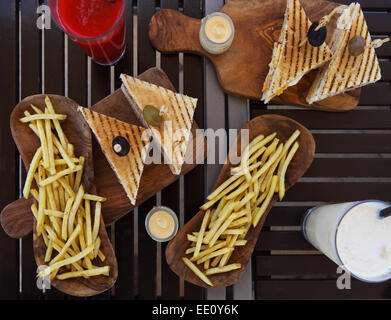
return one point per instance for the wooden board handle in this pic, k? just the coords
(171, 31)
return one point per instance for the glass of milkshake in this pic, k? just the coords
(355, 235)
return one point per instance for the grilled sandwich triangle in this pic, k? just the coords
(346, 72)
(125, 154)
(293, 56)
(177, 111)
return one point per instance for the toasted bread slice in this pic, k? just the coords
(290, 61)
(346, 72)
(128, 167)
(177, 111)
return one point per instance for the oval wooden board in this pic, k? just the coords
(242, 70)
(78, 133)
(265, 125)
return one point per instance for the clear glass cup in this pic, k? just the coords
(342, 230)
(108, 47)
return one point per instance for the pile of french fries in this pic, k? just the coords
(62, 208)
(238, 203)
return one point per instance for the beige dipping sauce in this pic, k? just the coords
(216, 33)
(161, 224)
(218, 29)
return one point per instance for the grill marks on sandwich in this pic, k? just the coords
(180, 111)
(295, 61)
(346, 72)
(128, 168)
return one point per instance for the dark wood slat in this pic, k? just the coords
(282, 240)
(193, 86)
(8, 167)
(147, 246)
(376, 94)
(320, 289)
(124, 235)
(295, 265)
(285, 216)
(338, 192)
(30, 84)
(170, 195)
(357, 119)
(100, 88)
(322, 167)
(384, 51)
(125, 65)
(124, 287)
(77, 73)
(385, 67)
(54, 61)
(352, 143)
(147, 255)
(378, 22)
(53, 83)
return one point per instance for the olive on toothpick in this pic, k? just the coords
(152, 116)
(120, 146)
(316, 36)
(357, 46)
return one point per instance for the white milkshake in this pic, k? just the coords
(353, 235)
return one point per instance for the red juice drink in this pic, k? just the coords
(97, 26)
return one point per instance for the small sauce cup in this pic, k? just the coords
(161, 223)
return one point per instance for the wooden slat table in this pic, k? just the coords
(352, 161)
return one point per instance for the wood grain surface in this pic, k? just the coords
(243, 68)
(16, 218)
(78, 133)
(265, 125)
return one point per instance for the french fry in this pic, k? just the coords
(64, 262)
(95, 229)
(224, 185)
(48, 132)
(58, 175)
(229, 188)
(56, 123)
(265, 204)
(49, 251)
(32, 169)
(200, 236)
(64, 154)
(281, 178)
(268, 164)
(209, 250)
(43, 116)
(198, 273)
(226, 256)
(225, 212)
(93, 197)
(222, 228)
(75, 206)
(227, 268)
(69, 242)
(214, 254)
(41, 208)
(64, 229)
(85, 273)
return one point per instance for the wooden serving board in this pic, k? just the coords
(17, 219)
(243, 68)
(266, 124)
(155, 177)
